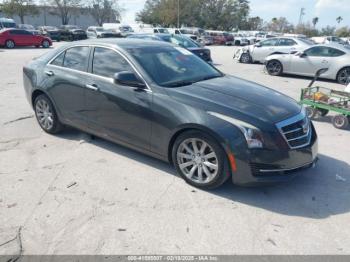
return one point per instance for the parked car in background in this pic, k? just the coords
(165, 102)
(10, 38)
(100, 32)
(261, 36)
(180, 40)
(29, 28)
(308, 61)
(7, 23)
(184, 32)
(328, 40)
(120, 29)
(221, 38)
(72, 33)
(277, 45)
(241, 40)
(50, 31)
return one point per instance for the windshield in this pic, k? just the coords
(183, 41)
(306, 41)
(173, 66)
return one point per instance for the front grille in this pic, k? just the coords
(296, 131)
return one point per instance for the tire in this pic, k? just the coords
(323, 112)
(245, 58)
(237, 43)
(274, 68)
(310, 112)
(10, 44)
(46, 115)
(340, 121)
(195, 168)
(343, 76)
(45, 44)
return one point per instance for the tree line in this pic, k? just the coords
(101, 10)
(227, 15)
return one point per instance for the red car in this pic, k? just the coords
(11, 38)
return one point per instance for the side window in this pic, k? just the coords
(59, 60)
(335, 52)
(286, 42)
(270, 42)
(77, 58)
(317, 51)
(107, 62)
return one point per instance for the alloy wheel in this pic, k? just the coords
(44, 114)
(245, 58)
(46, 44)
(274, 68)
(344, 76)
(197, 160)
(10, 44)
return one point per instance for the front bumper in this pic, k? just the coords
(273, 166)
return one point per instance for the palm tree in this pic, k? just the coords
(339, 19)
(315, 21)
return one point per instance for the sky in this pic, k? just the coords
(326, 10)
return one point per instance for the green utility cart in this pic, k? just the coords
(319, 101)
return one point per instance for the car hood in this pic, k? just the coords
(230, 95)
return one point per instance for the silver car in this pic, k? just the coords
(278, 45)
(305, 63)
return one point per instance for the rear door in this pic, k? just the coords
(67, 78)
(286, 45)
(119, 112)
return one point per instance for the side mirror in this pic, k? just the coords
(126, 78)
(302, 55)
(258, 44)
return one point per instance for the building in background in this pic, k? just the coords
(48, 15)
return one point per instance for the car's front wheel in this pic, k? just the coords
(200, 160)
(274, 68)
(10, 44)
(46, 115)
(245, 58)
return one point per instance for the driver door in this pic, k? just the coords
(310, 61)
(264, 49)
(115, 111)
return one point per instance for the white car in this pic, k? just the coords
(278, 45)
(307, 62)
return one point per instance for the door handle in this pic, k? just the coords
(49, 73)
(92, 87)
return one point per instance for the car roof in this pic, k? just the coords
(123, 43)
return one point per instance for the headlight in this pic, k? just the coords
(252, 134)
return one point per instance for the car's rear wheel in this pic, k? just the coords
(343, 76)
(200, 160)
(45, 44)
(245, 58)
(274, 68)
(10, 44)
(46, 115)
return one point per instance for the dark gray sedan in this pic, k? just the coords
(166, 102)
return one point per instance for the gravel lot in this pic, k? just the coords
(74, 195)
